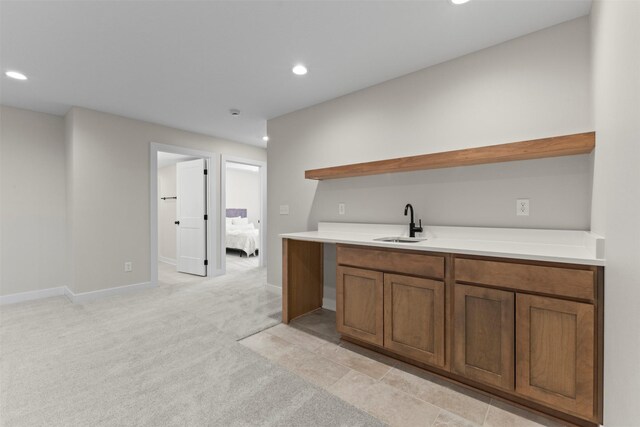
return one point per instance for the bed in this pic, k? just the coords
(241, 235)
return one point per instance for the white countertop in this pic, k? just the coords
(566, 246)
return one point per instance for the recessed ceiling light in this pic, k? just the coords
(299, 70)
(15, 75)
(265, 138)
(459, 1)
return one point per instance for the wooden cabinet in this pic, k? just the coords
(554, 359)
(414, 318)
(483, 342)
(359, 304)
(523, 330)
(404, 313)
(555, 350)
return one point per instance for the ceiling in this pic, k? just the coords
(186, 63)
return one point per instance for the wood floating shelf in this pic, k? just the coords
(566, 145)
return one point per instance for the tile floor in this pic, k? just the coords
(392, 391)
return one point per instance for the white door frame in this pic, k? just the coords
(262, 253)
(215, 267)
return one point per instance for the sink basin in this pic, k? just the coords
(400, 239)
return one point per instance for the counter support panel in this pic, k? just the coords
(302, 278)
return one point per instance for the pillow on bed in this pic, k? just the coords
(229, 221)
(240, 221)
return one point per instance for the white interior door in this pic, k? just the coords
(191, 211)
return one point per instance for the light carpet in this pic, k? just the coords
(161, 357)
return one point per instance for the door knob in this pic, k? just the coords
(176, 222)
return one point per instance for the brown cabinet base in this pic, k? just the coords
(491, 288)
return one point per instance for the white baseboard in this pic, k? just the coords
(278, 289)
(329, 304)
(32, 295)
(73, 297)
(166, 260)
(89, 296)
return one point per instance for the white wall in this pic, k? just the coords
(68, 146)
(110, 191)
(616, 198)
(532, 87)
(243, 191)
(167, 214)
(32, 201)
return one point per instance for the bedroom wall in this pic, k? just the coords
(167, 214)
(32, 201)
(531, 87)
(243, 191)
(110, 192)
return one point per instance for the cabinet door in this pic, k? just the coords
(414, 318)
(359, 307)
(555, 353)
(483, 344)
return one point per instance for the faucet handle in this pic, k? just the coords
(419, 227)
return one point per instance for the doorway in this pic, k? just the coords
(243, 213)
(184, 194)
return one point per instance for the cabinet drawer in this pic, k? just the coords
(415, 264)
(565, 282)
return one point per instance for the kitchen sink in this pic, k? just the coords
(399, 239)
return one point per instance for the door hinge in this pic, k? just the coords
(206, 171)
(206, 217)
(206, 262)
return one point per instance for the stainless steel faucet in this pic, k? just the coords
(412, 225)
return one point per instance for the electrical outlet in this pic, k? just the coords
(522, 207)
(284, 209)
(341, 208)
(128, 267)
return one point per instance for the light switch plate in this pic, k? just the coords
(284, 209)
(341, 208)
(522, 207)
